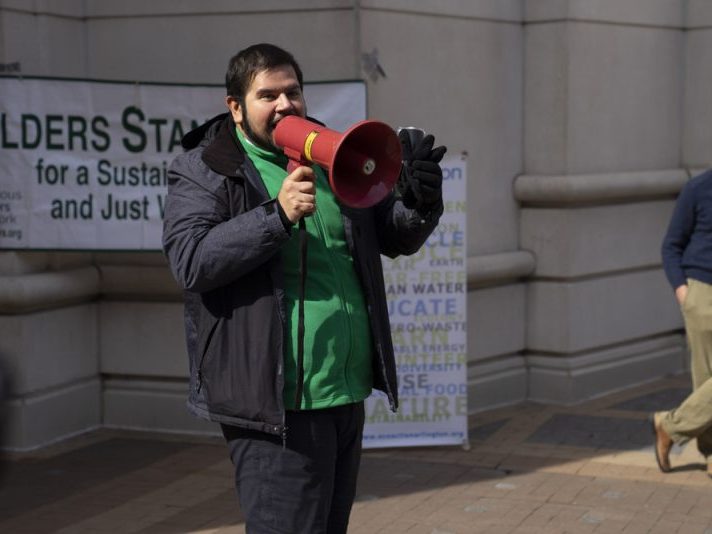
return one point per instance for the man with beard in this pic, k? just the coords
(294, 434)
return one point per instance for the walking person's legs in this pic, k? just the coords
(693, 418)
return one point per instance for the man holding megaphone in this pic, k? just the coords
(282, 359)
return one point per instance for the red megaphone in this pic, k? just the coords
(363, 162)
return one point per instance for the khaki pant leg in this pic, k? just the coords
(693, 418)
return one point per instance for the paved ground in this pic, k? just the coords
(531, 469)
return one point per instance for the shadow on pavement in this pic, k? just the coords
(523, 460)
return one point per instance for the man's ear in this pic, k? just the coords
(233, 104)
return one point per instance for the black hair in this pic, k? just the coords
(246, 64)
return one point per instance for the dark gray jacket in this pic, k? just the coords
(222, 236)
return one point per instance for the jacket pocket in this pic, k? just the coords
(205, 344)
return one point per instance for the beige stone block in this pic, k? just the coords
(697, 134)
(613, 87)
(546, 98)
(699, 14)
(569, 379)
(142, 338)
(139, 282)
(500, 381)
(37, 420)
(132, 259)
(68, 8)
(199, 7)
(640, 12)
(158, 406)
(585, 241)
(36, 291)
(16, 263)
(45, 45)
(566, 317)
(496, 321)
(51, 348)
(624, 90)
(500, 10)
(325, 51)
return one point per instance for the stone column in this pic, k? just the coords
(602, 128)
(697, 131)
(49, 346)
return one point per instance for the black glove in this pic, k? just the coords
(421, 179)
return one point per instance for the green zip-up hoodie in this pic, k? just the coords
(337, 340)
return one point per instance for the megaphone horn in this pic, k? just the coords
(363, 162)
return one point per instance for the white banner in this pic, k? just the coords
(83, 163)
(427, 302)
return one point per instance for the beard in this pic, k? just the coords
(263, 141)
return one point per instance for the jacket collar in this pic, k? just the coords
(224, 154)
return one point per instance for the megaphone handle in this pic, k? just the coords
(294, 164)
(303, 237)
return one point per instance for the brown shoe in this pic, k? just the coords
(663, 443)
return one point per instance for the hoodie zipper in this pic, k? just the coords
(303, 240)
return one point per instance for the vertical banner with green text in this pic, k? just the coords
(427, 303)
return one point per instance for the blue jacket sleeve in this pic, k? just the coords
(677, 237)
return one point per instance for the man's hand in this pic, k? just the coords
(297, 195)
(420, 182)
(681, 293)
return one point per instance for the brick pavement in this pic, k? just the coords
(530, 469)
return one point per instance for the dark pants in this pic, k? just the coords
(309, 485)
